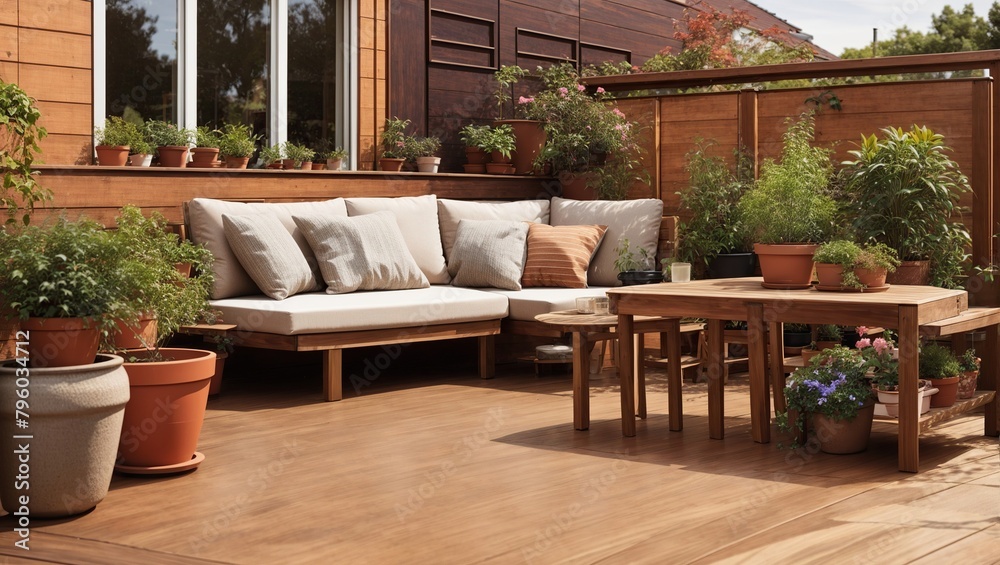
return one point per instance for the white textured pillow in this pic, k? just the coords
(361, 253)
(489, 253)
(417, 217)
(269, 255)
(204, 216)
(637, 220)
(451, 212)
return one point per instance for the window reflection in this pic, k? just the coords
(141, 59)
(313, 83)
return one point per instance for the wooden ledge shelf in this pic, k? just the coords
(937, 415)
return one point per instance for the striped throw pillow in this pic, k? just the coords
(560, 255)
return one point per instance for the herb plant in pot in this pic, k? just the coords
(206, 151)
(528, 131)
(788, 211)
(423, 150)
(140, 151)
(940, 366)
(499, 143)
(969, 365)
(882, 363)
(475, 157)
(335, 158)
(170, 141)
(835, 265)
(237, 143)
(113, 141)
(636, 267)
(835, 392)
(393, 144)
(59, 274)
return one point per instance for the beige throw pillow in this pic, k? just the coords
(488, 253)
(361, 253)
(451, 212)
(269, 254)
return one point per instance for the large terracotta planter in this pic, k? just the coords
(529, 138)
(845, 436)
(220, 367)
(871, 278)
(911, 272)
(75, 422)
(233, 162)
(830, 275)
(786, 266)
(204, 156)
(112, 155)
(387, 164)
(163, 418)
(947, 391)
(574, 187)
(173, 155)
(140, 335)
(61, 342)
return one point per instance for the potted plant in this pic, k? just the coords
(788, 211)
(834, 391)
(299, 156)
(881, 359)
(140, 151)
(335, 158)
(795, 337)
(903, 191)
(159, 375)
(113, 141)
(828, 336)
(940, 366)
(529, 133)
(21, 132)
(271, 157)
(873, 265)
(206, 151)
(636, 267)
(475, 157)
(713, 239)
(59, 279)
(223, 349)
(498, 141)
(423, 150)
(393, 144)
(835, 265)
(237, 143)
(969, 366)
(170, 141)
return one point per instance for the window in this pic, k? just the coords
(282, 66)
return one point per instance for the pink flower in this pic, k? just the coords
(618, 113)
(862, 330)
(863, 343)
(525, 100)
(563, 91)
(580, 88)
(600, 90)
(880, 345)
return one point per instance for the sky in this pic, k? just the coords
(836, 24)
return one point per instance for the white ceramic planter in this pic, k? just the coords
(140, 160)
(428, 164)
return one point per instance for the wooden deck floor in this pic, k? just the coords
(427, 466)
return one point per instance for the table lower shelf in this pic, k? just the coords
(937, 415)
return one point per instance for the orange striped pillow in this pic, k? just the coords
(560, 255)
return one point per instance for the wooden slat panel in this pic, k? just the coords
(71, 16)
(55, 48)
(407, 63)
(8, 12)
(8, 43)
(61, 149)
(57, 84)
(60, 117)
(9, 72)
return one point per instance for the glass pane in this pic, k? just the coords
(313, 81)
(142, 59)
(233, 66)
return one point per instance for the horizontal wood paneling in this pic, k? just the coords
(62, 117)
(9, 71)
(55, 48)
(62, 149)
(57, 84)
(8, 43)
(8, 12)
(71, 16)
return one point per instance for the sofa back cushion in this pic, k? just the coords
(417, 217)
(489, 253)
(559, 255)
(204, 218)
(451, 212)
(269, 254)
(365, 252)
(637, 220)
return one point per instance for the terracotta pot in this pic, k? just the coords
(76, 419)
(830, 275)
(220, 365)
(233, 162)
(967, 384)
(204, 156)
(288, 164)
(947, 391)
(140, 335)
(428, 164)
(140, 160)
(275, 165)
(173, 155)
(475, 168)
(318, 165)
(574, 187)
(842, 437)
(184, 269)
(911, 272)
(112, 155)
(496, 168)
(529, 138)
(871, 278)
(808, 354)
(475, 156)
(164, 415)
(306, 166)
(334, 164)
(497, 157)
(388, 164)
(61, 342)
(824, 345)
(787, 265)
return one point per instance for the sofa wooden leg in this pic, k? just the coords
(487, 357)
(333, 374)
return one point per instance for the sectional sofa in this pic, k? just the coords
(355, 272)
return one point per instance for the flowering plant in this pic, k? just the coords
(834, 384)
(393, 139)
(879, 358)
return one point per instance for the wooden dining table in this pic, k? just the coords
(903, 308)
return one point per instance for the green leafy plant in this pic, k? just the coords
(629, 260)
(844, 253)
(937, 362)
(472, 134)
(297, 153)
(505, 77)
(829, 332)
(116, 132)
(877, 256)
(710, 201)
(423, 146)
(19, 137)
(207, 137)
(969, 362)
(271, 154)
(237, 140)
(338, 153)
(498, 138)
(164, 134)
(393, 139)
(789, 203)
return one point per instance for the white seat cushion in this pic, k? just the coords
(527, 303)
(320, 312)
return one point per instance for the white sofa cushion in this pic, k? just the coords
(417, 217)
(489, 253)
(320, 312)
(637, 220)
(205, 221)
(527, 303)
(451, 212)
(361, 253)
(269, 254)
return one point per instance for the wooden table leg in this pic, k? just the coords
(908, 430)
(581, 381)
(639, 370)
(989, 377)
(715, 370)
(760, 405)
(674, 375)
(776, 365)
(626, 366)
